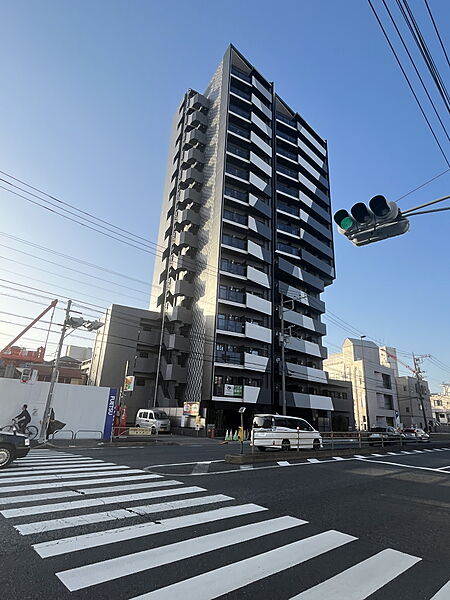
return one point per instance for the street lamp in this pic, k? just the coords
(71, 323)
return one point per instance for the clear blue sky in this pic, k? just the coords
(88, 90)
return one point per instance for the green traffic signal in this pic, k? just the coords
(346, 223)
(343, 220)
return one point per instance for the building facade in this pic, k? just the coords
(372, 371)
(413, 401)
(245, 233)
(440, 407)
(127, 345)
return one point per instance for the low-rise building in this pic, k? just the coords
(440, 407)
(413, 402)
(341, 393)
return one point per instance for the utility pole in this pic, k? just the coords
(283, 360)
(416, 361)
(54, 377)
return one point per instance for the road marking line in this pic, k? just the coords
(224, 580)
(418, 451)
(377, 455)
(21, 499)
(52, 471)
(427, 450)
(122, 513)
(313, 460)
(359, 456)
(385, 462)
(132, 486)
(393, 453)
(405, 452)
(195, 462)
(112, 536)
(443, 593)
(93, 574)
(77, 504)
(283, 463)
(72, 484)
(245, 467)
(58, 477)
(202, 467)
(362, 580)
(51, 466)
(337, 458)
(56, 461)
(443, 468)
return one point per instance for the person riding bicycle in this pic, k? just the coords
(23, 419)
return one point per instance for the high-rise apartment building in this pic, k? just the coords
(245, 233)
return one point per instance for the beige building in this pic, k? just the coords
(440, 406)
(372, 371)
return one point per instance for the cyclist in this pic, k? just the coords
(23, 419)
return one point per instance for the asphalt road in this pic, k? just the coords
(128, 523)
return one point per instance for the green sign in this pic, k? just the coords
(346, 223)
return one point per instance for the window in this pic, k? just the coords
(140, 381)
(386, 381)
(144, 414)
(387, 402)
(407, 409)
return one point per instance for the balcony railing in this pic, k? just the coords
(232, 296)
(234, 268)
(289, 228)
(231, 240)
(288, 208)
(239, 130)
(287, 171)
(236, 358)
(241, 74)
(236, 194)
(240, 111)
(285, 119)
(238, 150)
(281, 187)
(232, 170)
(288, 154)
(288, 249)
(230, 325)
(239, 92)
(286, 136)
(233, 216)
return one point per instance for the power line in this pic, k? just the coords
(408, 82)
(437, 32)
(423, 185)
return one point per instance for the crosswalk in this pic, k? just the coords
(98, 523)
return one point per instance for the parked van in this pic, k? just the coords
(156, 420)
(284, 433)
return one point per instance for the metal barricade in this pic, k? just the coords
(72, 436)
(89, 431)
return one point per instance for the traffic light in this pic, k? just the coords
(380, 220)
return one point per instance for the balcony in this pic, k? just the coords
(232, 268)
(186, 238)
(230, 325)
(150, 338)
(288, 208)
(308, 373)
(237, 194)
(261, 305)
(261, 106)
(291, 229)
(237, 172)
(196, 119)
(286, 189)
(245, 133)
(306, 299)
(188, 217)
(181, 313)
(194, 137)
(234, 242)
(234, 89)
(262, 164)
(249, 395)
(303, 346)
(242, 112)
(287, 171)
(311, 401)
(189, 195)
(184, 263)
(173, 341)
(260, 184)
(145, 365)
(262, 125)
(258, 141)
(232, 296)
(289, 121)
(181, 287)
(255, 362)
(242, 74)
(306, 322)
(257, 332)
(229, 358)
(197, 101)
(291, 155)
(192, 156)
(301, 274)
(235, 217)
(257, 276)
(175, 373)
(260, 205)
(238, 151)
(285, 136)
(289, 249)
(190, 176)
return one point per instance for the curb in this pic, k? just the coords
(262, 457)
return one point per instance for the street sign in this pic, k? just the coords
(128, 384)
(191, 409)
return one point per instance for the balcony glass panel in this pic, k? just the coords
(241, 74)
(288, 208)
(238, 150)
(240, 111)
(232, 240)
(230, 325)
(239, 130)
(289, 228)
(236, 194)
(287, 189)
(291, 155)
(240, 92)
(232, 170)
(286, 136)
(285, 119)
(234, 216)
(231, 295)
(236, 358)
(287, 171)
(232, 267)
(288, 249)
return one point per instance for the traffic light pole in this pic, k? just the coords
(283, 359)
(418, 370)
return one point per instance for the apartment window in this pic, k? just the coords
(387, 400)
(407, 409)
(386, 381)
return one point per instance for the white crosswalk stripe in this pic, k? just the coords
(362, 580)
(70, 528)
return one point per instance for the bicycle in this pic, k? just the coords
(31, 431)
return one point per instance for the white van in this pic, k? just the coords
(156, 420)
(284, 433)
